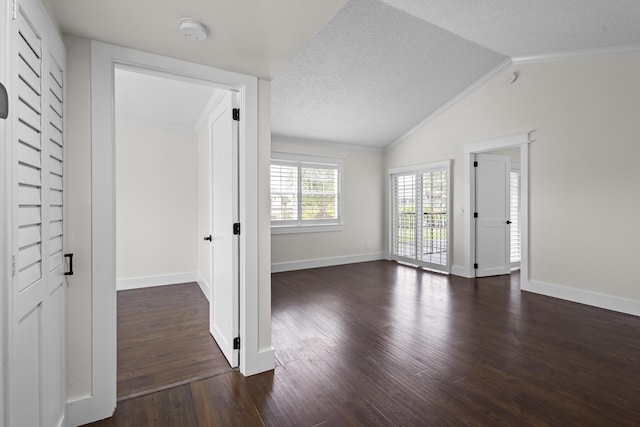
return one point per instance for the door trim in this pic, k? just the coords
(102, 400)
(521, 140)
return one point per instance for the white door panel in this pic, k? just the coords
(224, 301)
(37, 357)
(492, 207)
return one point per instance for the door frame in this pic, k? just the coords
(5, 225)
(253, 359)
(522, 141)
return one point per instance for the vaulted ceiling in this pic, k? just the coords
(364, 71)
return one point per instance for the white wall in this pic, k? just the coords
(156, 202)
(361, 239)
(584, 201)
(78, 210)
(264, 222)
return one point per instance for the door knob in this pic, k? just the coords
(208, 238)
(508, 222)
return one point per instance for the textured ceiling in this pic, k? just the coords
(534, 27)
(255, 37)
(377, 69)
(380, 67)
(153, 100)
(371, 74)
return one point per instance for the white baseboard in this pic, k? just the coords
(325, 262)
(460, 270)
(204, 286)
(609, 302)
(150, 281)
(87, 410)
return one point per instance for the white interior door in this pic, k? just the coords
(37, 344)
(492, 208)
(224, 301)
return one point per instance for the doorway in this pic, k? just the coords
(163, 203)
(256, 353)
(512, 147)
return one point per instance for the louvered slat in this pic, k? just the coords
(28, 235)
(28, 115)
(28, 136)
(29, 175)
(29, 215)
(27, 75)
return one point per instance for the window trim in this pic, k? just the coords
(310, 226)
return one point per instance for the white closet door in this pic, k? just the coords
(492, 208)
(37, 395)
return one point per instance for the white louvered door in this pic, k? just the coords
(38, 290)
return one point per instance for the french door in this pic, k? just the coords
(420, 206)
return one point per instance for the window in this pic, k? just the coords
(420, 216)
(305, 193)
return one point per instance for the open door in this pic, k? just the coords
(492, 215)
(224, 301)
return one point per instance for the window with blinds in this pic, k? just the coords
(305, 191)
(515, 216)
(420, 216)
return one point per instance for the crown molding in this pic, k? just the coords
(286, 139)
(578, 54)
(482, 80)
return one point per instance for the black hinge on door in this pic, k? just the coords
(236, 343)
(236, 114)
(475, 164)
(475, 214)
(236, 228)
(475, 266)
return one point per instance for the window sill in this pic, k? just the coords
(306, 229)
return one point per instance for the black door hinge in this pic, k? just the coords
(236, 114)
(236, 343)
(475, 164)
(236, 228)
(475, 214)
(475, 266)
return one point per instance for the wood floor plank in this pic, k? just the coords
(164, 339)
(380, 344)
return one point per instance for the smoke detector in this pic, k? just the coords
(192, 29)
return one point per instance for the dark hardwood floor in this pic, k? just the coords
(164, 340)
(384, 344)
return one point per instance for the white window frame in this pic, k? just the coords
(310, 226)
(427, 167)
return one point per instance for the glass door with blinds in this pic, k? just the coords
(515, 218)
(420, 206)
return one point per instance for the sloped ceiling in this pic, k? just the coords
(520, 28)
(373, 72)
(360, 71)
(380, 67)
